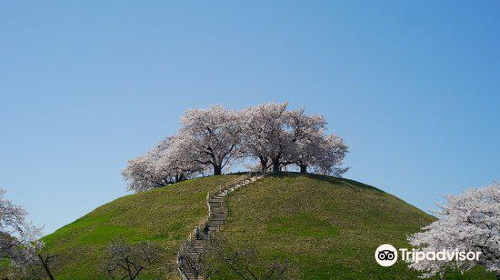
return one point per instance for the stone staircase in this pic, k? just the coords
(188, 259)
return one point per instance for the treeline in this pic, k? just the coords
(216, 138)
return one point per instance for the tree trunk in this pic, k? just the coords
(263, 164)
(46, 267)
(303, 168)
(180, 178)
(276, 166)
(217, 170)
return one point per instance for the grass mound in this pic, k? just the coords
(327, 228)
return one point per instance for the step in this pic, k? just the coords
(216, 201)
(213, 228)
(217, 215)
(220, 214)
(193, 256)
(217, 218)
(196, 247)
(216, 206)
(216, 221)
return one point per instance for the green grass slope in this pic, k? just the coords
(166, 215)
(327, 228)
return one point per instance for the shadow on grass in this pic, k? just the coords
(330, 179)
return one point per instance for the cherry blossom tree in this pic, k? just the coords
(15, 231)
(130, 261)
(20, 243)
(329, 156)
(171, 161)
(267, 134)
(322, 154)
(467, 222)
(213, 136)
(275, 135)
(140, 177)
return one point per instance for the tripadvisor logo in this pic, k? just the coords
(387, 255)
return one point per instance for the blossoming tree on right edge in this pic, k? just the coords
(467, 222)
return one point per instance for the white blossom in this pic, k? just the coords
(19, 239)
(168, 162)
(267, 134)
(213, 136)
(467, 222)
(322, 154)
(270, 132)
(329, 156)
(278, 137)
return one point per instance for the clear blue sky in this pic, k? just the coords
(412, 86)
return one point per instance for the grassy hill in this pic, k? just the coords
(327, 228)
